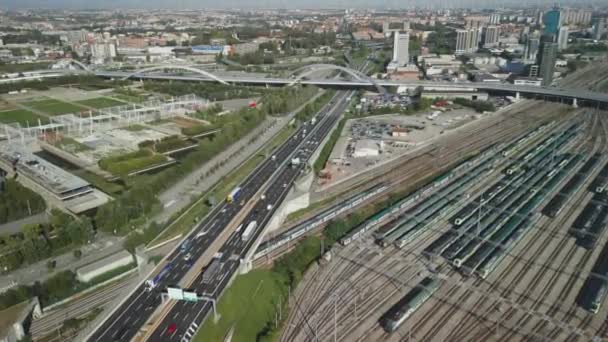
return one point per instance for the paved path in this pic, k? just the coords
(15, 226)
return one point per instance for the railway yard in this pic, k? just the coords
(504, 245)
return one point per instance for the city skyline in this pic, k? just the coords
(247, 4)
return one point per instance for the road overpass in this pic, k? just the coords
(577, 96)
(191, 73)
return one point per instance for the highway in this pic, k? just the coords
(187, 316)
(126, 320)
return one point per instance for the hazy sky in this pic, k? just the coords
(198, 4)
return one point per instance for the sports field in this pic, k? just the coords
(101, 102)
(54, 107)
(23, 117)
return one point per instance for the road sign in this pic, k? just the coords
(175, 293)
(190, 296)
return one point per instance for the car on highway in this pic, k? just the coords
(171, 328)
(188, 256)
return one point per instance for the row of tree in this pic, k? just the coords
(17, 201)
(37, 242)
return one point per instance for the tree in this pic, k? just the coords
(77, 253)
(51, 264)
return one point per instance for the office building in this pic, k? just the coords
(401, 48)
(491, 36)
(548, 56)
(562, 38)
(552, 21)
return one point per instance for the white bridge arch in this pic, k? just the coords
(176, 67)
(312, 68)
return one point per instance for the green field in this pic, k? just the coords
(129, 98)
(22, 116)
(101, 102)
(248, 305)
(71, 145)
(54, 107)
(123, 164)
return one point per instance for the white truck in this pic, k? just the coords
(249, 230)
(295, 161)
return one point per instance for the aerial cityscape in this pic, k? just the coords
(303, 171)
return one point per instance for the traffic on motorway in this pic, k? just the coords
(188, 316)
(127, 319)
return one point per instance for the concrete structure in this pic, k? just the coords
(491, 36)
(547, 62)
(562, 38)
(15, 320)
(471, 95)
(401, 48)
(494, 18)
(90, 271)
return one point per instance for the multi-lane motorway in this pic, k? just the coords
(187, 316)
(125, 322)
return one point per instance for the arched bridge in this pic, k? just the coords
(175, 67)
(310, 69)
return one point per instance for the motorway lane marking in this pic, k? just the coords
(308, 135)
(121, 314)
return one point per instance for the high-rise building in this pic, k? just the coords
(467, 40)
(599, 26)
(532, 46)
(461, 41)
(401, 48)
(494, 19)
(562, 38)
(552, 21)
(576, 17)
(491, 36)
(548, 56)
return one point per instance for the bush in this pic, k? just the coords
(127, 163)
(479, 106)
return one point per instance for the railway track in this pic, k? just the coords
(572, 278)
(421, 171)
(441, 321)
(509, 291)
(480, 138)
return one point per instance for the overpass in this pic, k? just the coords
(574, 96)
(357, 80)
